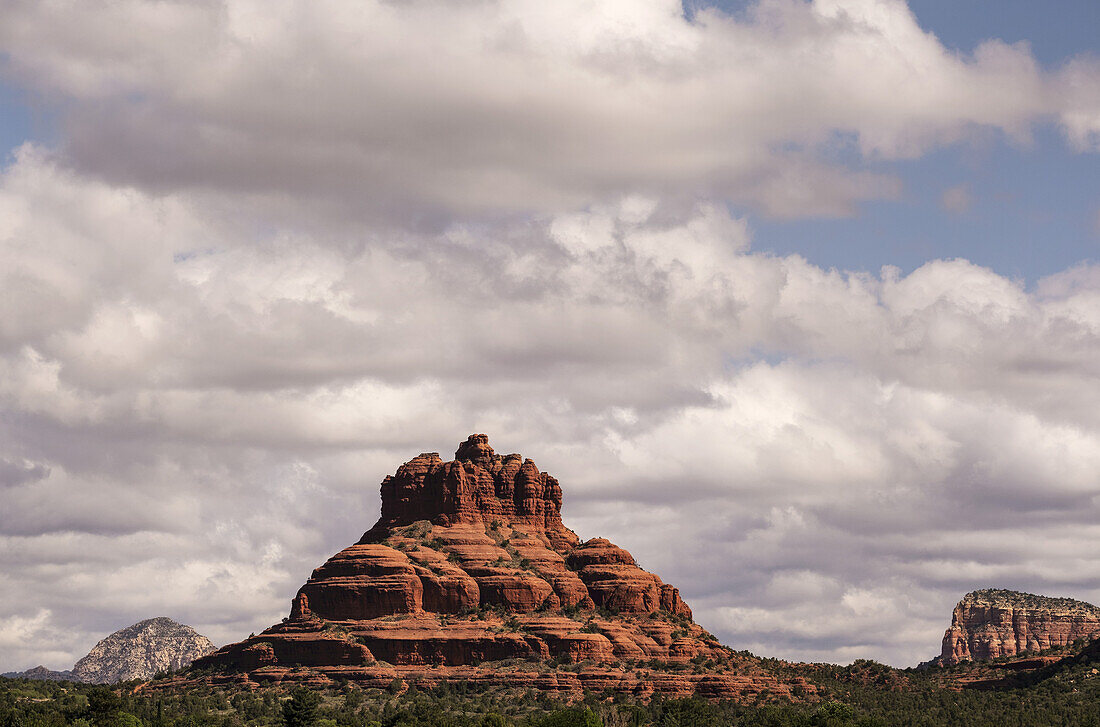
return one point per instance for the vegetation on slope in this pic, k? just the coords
(1001, 598)
(864, 694)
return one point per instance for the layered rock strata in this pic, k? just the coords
(992, 623)
(470, 574)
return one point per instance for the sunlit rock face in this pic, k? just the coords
(992, 623)
(141, 651)
(470, 574)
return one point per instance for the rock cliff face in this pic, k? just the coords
(471, 575)
(142, 650)
(991, 623)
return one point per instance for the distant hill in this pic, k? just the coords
(41, 672)
(142, 650)
(135, 652)
(993, 623)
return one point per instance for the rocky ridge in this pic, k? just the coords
(993, 623)
(141, 651)
(136, 652)
(43, 674)
(470, 575)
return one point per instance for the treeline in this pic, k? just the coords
(913, 699)
(46, 704)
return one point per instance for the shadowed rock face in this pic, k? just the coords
(470, 570)
(992, 623)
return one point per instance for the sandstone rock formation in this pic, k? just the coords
(992, 623)
(142, 650)
(471, 575)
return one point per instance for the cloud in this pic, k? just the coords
(505, 107)
(825, 460)
(18, 473)
(29, 637)
(958, 199)
(1081, 90)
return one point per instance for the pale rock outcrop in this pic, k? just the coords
(142, 650)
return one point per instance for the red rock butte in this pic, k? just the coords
(470, 575)
(993, 623)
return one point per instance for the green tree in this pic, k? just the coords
(301, 709)
(103, 706)
(574, 717)
(834, 714)
(353, 698)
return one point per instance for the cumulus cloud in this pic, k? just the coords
(842, 450)
(275, 254)
(418, 112)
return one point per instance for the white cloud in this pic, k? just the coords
(34, 637)
(214, 412)
(418, 111)
(1080, 89)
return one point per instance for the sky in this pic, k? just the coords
(800, 301)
